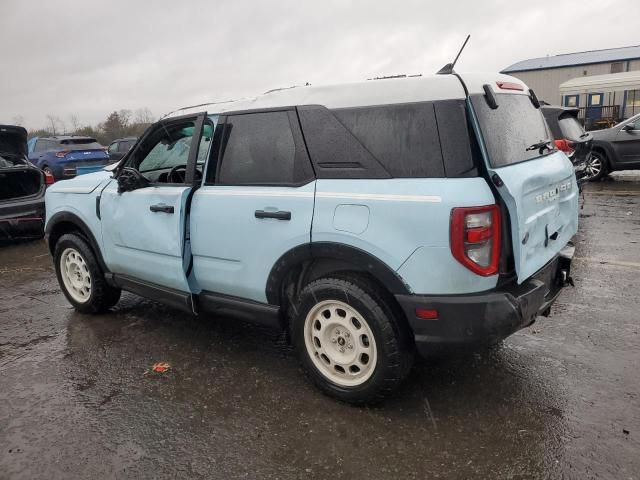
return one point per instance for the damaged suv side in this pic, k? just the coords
(22, 187)
(370, 220)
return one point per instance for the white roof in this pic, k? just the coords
(602, 83)
(360, 94)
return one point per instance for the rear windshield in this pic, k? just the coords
(83, 146)
(510, 129)
(570, 127)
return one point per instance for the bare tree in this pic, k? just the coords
(75, 124)
(143, 116)
(125, 117)
(52, 123)
(55, 125)
(18, 120)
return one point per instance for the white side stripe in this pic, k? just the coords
(336, 195)
(254, 193)
(382, 197)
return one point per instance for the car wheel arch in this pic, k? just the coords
(65, 222)
(308, 262)
(606, 151)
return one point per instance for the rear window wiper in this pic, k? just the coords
(541, 145)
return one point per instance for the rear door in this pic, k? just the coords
(537, 185)
(256, 203)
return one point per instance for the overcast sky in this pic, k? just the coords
(90, 57)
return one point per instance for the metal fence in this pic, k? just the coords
(594, 118)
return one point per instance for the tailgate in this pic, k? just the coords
(542, 198)
(537, 184)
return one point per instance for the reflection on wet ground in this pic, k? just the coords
(559, 399)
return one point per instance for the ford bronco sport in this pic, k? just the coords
(370, 220)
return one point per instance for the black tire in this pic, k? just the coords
(102, 296)
(598, 161)
(393, 341)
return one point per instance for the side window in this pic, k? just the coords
(39, 146)
(113, 147)
(260, 149)
(403, 138)
(166, 148)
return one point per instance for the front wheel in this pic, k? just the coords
(351, 342)
(596, 167)
(80, 276)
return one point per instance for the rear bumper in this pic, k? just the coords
(22, 218)
(487, 317)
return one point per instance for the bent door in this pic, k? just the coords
(255, 205)
(143, 230)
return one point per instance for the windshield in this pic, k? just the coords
(570, 127)
(628, 120)
(511, 130)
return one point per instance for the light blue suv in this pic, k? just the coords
(369, 220)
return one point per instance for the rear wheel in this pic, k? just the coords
(351, 343)
(80, 276)
(596, 166)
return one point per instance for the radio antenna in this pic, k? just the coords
(448, 68)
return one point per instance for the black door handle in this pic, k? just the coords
(280, 215)
(161, 207)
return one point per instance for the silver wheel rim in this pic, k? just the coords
(340, 343)
(75, 275)
(594, 166)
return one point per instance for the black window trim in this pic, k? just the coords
(198, 120)
(298, 140)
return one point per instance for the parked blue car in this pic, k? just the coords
(65, 156)
(370, 220)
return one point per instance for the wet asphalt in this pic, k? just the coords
(560, 399)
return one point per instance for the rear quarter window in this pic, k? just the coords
(511, 128)
(403, 137)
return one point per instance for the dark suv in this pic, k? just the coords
(120, 146)
(616, 148)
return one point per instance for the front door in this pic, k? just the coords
(627, 145)
(143, 230)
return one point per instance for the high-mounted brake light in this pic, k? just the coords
(510, 86)
(475, 238)
(62, 153)
(564, 146)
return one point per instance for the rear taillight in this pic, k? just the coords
(62, 153)
(564, 146)
(475, 238)
(49, 179)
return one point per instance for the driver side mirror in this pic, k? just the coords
(629, 127)
(130, 179)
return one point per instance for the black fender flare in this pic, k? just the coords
(359, 259)
(71, 218)
(608, 151)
